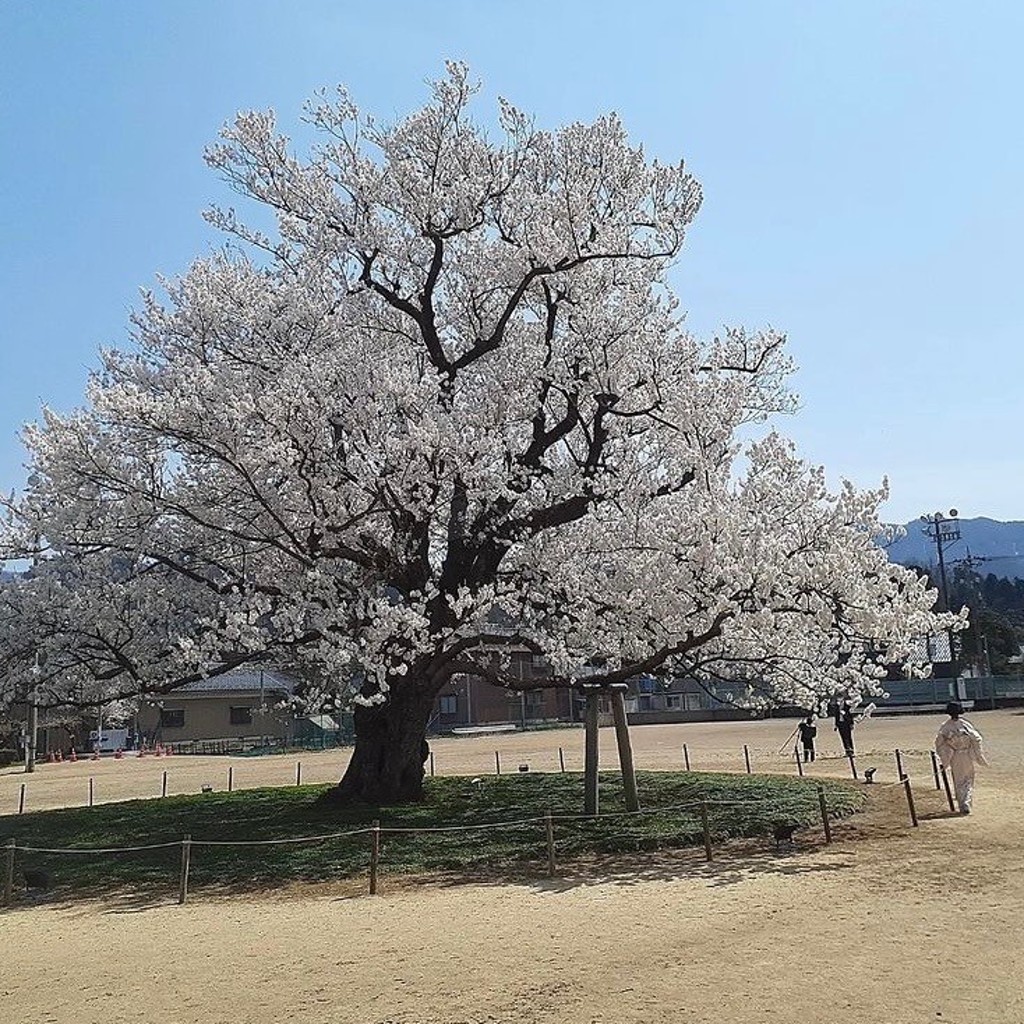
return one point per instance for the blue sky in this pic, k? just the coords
(862, 166)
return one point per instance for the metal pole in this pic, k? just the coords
(186, 861)
(374, 855)
(9, 872)
(824, 814)
(706, 828)
(549, 832)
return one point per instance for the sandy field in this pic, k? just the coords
(889, 925)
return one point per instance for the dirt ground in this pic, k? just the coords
(889, 925)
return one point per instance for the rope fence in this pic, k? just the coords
(749, 759)
(558, 835)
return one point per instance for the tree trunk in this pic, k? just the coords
(390, 749)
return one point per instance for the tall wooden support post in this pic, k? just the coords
(630, 796)
(900, 773)
(591, 753)
(935, 770)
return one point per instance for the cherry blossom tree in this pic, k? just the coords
(453, 387)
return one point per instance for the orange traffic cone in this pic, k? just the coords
(118, 754)
(96, 754)
(72, 756)
(51, 758)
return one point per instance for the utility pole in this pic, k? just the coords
(944, 530)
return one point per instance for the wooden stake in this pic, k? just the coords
(431, 764)
(231, 777)
(497, 763)
(746, 756)
(799, 763)
(549, 832)
(90, 791)
(629, 792)
(21, 800)
(900, 773)
(9, 872)
(374, 855)
(590, 760)
(824, 814)
(853, 765)
(561, 759)
(186, 862)
(910, 800)
(298, 773)
(163, 785)
(949, 792)
(707, 829)
(686, 757)
(935, 769)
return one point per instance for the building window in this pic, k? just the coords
(673, 701)
(172, 718)
(535, 699)
(450, 704)
(240, 716)
(694, 702)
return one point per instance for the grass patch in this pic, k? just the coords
(289, 812)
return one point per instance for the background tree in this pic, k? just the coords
(453, 381)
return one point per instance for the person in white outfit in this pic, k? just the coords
(958, 745)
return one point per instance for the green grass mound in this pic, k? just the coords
(456, 810)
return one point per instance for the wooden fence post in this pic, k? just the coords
(935, 769)
(707, 829)
(746, 756)
(374, 855)
(186, 863)
(910, 800)
(945, 783)
(9, 872)
(549, 832)
(799, 763)
(686, 757)
(824, 814)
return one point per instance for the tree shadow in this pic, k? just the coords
(733, 864)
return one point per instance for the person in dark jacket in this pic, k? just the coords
(808, 730)
(844, 726)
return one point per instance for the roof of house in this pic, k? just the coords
(243, 680)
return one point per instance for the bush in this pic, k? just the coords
(8, 756)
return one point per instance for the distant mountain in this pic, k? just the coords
(993, 546)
